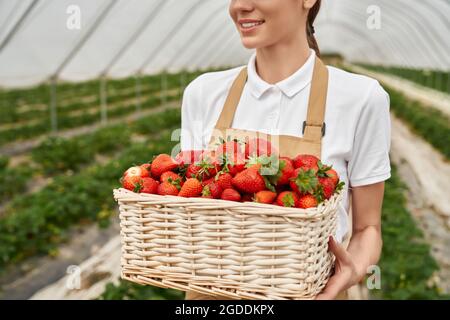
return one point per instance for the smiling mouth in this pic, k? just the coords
(249, 25)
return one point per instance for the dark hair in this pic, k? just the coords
(313, 12)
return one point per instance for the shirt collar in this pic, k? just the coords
(289, 86)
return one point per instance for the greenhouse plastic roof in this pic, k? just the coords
(119, 38)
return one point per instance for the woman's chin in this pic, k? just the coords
(249, 43)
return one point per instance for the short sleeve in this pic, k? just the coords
(191, 117)
(369, 162)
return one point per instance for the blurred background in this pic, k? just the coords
(89, 87)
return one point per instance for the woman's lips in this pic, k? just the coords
(247, 26)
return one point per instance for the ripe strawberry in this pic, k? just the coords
(149, 185)
(145, 170)
(208, 181)
(304, 181)
(331, 173)
(188, 157)
(306, 162)
(231, 195)
(131, 182)
(161, 164)
(229, 147)
(233, 163)
(326, 189)
(258, 147)
(307, 201)
(192, 187)
(285, 172)
(265, 196)
(224, 180)
(231, 157)
(287, 199)
(168, 188)
(205, 168)
(249, 180)
(212, 189)
(171, 175)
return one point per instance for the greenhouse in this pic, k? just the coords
(90, 88)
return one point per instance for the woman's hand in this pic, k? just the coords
(345, 272)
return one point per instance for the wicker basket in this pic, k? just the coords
(237, 250)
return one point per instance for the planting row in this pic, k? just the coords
(435, 79)
(13, 100)
(86, 118)
(36, 223)
(429, 123)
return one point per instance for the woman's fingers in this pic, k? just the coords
(335, 285)
(339, 251)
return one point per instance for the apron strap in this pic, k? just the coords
(232, 102)
(313, 127)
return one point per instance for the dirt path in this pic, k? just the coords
(427, 175)
(27, 278)
(427, 96)
(94, 274)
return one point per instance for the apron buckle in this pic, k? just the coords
(323, 127)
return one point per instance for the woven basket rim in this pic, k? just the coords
(124, 195)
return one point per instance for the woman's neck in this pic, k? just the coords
(278, 62)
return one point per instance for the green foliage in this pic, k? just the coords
(36, 223)
(4, 161)
(429, 123)
(126, 290)
(406, 264)
(14, 181)
(435, 79)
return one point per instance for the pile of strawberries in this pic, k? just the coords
(237, 171)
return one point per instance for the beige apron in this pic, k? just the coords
(289, 146)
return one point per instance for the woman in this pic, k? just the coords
(275, 97)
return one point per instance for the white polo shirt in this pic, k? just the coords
(357, 138)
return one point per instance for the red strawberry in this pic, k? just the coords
(145, 170)
(205, 168)
(258, 147)
(306, 162)
(265, 196)
(188, 157)
(161, 164)
(192, 187)
(331, 173)
(249, 180)
(307, 201)
(131, 182)
(287, 199)
(212, 189)
(224, 180)
(327, 188)
(285, 172)
(304, 181)
(168, 188)
(231, 195)
(229, 147)
(208, 181)
(149, 185)
(171, 175)
(231, 157)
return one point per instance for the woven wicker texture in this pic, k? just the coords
(238, 250)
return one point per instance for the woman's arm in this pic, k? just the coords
(365, 244)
